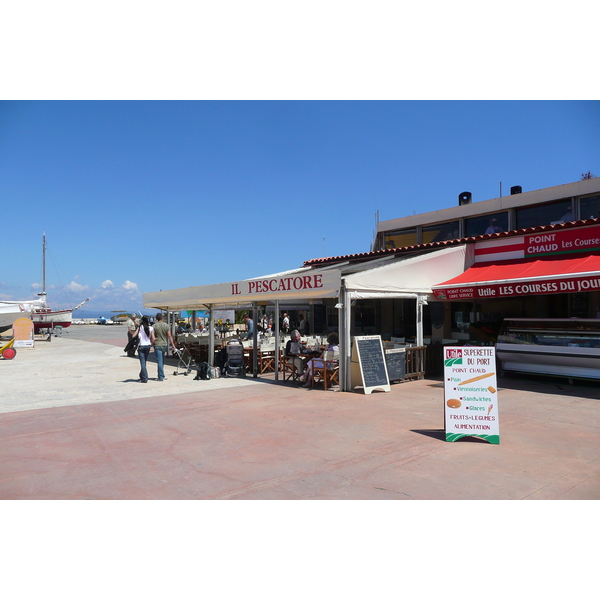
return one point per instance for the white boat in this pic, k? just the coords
(10, 311)
(43, 316)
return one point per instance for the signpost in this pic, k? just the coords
(368, 364)
(470, 393)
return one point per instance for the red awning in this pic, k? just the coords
(518, 277)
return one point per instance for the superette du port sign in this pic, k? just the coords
(470, 393)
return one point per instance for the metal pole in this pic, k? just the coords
(276, 332)
(255, 340)
(419, 339)
(345, 340)
(211, 335)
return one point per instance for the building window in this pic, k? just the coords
(486, 224)
(545, 214)
(400, 238)
(589, 208)
(441, 232)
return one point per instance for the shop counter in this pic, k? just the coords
(563, 347)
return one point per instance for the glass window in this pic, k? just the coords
(589, 208)
(486, 224)
(400, 238)
(441, 232)
(544, 214)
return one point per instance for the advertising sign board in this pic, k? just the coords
(470, 393)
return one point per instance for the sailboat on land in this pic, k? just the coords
(43, 316)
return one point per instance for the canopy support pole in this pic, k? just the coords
(420, 303)
(345, 339)
(211, 336)
(276, 325)
(255, 340)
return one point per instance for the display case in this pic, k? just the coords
(564, 347)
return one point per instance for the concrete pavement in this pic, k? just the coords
(75, 425)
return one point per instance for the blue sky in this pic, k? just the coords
(147, 195)
(160, 147)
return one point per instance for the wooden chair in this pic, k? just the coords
(288, 367)
(266, 360)
(329, 373)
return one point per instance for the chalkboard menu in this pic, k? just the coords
(369, 353)
(395, 360)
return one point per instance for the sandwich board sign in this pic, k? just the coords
(470, 393)
(369, 368)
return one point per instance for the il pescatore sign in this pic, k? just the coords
(305, 285)
(298, 283)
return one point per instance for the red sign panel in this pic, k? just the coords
(583, 239)
(562, 285)
(564, 241)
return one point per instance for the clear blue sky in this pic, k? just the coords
(148, 195)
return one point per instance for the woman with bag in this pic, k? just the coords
(145, 333)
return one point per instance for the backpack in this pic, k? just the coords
(203, 371)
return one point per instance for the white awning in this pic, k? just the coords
(300, 284)
(410, 277)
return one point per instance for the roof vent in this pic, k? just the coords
(516, 189)
(464, 198)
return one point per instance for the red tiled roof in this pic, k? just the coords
(318, 262)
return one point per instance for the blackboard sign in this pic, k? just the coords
(395, 360)
(370, 357)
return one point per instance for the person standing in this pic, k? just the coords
(250, 324)
(286, 323)
(302, 324)
(162, 336)
(131, 327)
(146, 335)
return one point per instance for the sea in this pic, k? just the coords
(94, 314)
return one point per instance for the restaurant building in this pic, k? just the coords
(439, 277)
(541, 260)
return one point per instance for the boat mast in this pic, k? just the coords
(43, 294)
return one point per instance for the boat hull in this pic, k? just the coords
(52, 318)
(9, 313)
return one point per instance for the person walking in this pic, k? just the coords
(145, 333)
(162, 336)
(131, 328)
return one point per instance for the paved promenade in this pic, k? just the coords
(75, 424)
